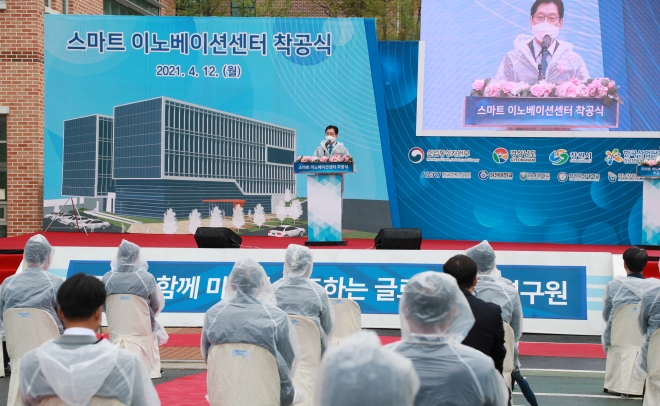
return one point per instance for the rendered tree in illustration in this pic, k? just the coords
(281, 211)
(216, 217)
(194, 221)
(287, 196)
(259, 216)
(238, 220)
(169, 222)
(295, 210)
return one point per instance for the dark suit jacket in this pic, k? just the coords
(487, 334)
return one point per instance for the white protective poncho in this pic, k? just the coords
(248, 313)
(128, 275)
(519, 65)
(298, 295)
(361, 372)
(492, 287)
(435, 318)
(76, 375)
(620, 292)
(34, 287)
(337, 149)
(649, 322)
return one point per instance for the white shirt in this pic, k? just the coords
(538, 51)
(79, 331)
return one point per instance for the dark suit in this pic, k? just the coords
(487, 334)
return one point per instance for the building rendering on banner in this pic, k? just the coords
(172, 154)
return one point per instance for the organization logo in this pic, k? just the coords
(633, 156)
(623, 177)
(611, 176)
(416, 155)
(584, 177)
(500, 155)
(559, 157)
(450, 155)
(483, 175)
(501, 176)
(580, 157)
(456, 175)
(431, 175)
(523, 155)
(562, 176)
(534, 176)
(613, 156)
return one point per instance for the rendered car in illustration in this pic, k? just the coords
(70, 220)
(95, 224)
(286, 231)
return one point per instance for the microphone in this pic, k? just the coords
(327, 143)
(546, 42)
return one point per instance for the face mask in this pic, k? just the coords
(543, 29)
(330, 138)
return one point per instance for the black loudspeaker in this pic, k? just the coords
(398, 239)
(217, 237)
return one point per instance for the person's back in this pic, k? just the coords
(34, 287)
(77, 366)
(451, 373)
(247, 314)
(649, 323)
(297, 294)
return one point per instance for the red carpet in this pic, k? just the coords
(76, 239)
(187, 391)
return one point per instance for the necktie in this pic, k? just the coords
(544, 62)
(330, 150)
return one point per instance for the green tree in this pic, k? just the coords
(242, 8)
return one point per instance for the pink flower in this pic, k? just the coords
(571, 91)
(346, 158)
(611, 84)
(508, 87)
(299, 158)
(540, 90)
(576, 81)
(478, 84)
(334, 158)
(561, 89)
(493, 89)
(653, 162)
(324, 159)
(314, 159)
(582, 90)
(593, 88)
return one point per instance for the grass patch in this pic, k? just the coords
(360, 234)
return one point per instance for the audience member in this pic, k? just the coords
(34, 287)
(360, 372)
(298, 295)
(487, 334)
(248, 313)
(492, 287)
(435, 318)
(128, 275)
(649, 322)
(77, 366)
(624, 290)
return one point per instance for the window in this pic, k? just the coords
(47, 3)
(131, 7)
(65, 6)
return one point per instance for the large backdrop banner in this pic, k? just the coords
(160, 125)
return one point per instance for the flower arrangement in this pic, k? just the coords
(599, 88)
(347, 159)
(650, 162)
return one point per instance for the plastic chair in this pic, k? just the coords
(25, 330)
(348, 320)
(129, 325)
(242, 374)
(652, 394)
(625, 339)
(96, 401)
(310, 343)
(509, 358)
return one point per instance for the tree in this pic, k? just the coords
(194, 221)
(216, 217)
(169, 222)
(259, 216)
(236, 8)
(295, 210)
(287, 196)
(281, 211)
(238, 220)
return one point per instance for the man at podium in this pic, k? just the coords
(330, 146)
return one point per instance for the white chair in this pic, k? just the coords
(242, 374)
(129, 325)
(25, 330)
(96, 401)
(652, 394)
(348, 320)
(509, 358)
(625, 339)
(310, 343)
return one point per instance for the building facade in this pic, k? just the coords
(22, 100)
(173, 154)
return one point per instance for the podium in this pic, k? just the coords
(325, 195)
(650, 204)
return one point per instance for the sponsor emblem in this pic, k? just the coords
(559, 157)
(483, 175)
(562, 176)
(416, 155)
(613, 156)
(500, 155)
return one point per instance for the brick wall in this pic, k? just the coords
(85, 7)
(22, 90)
(306, 8)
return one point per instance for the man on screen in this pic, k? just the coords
(330, 146)
(530, 60)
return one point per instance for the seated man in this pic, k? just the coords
(649, 322)
(435, 318)
(248, 313)
(78, 366)
(128, 275)
(492, 287)
(624, 290)
(487, 334)
(360, 372)
(296, 294)
(34, 287)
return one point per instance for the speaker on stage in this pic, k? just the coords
(398, 239)
(217, 237)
